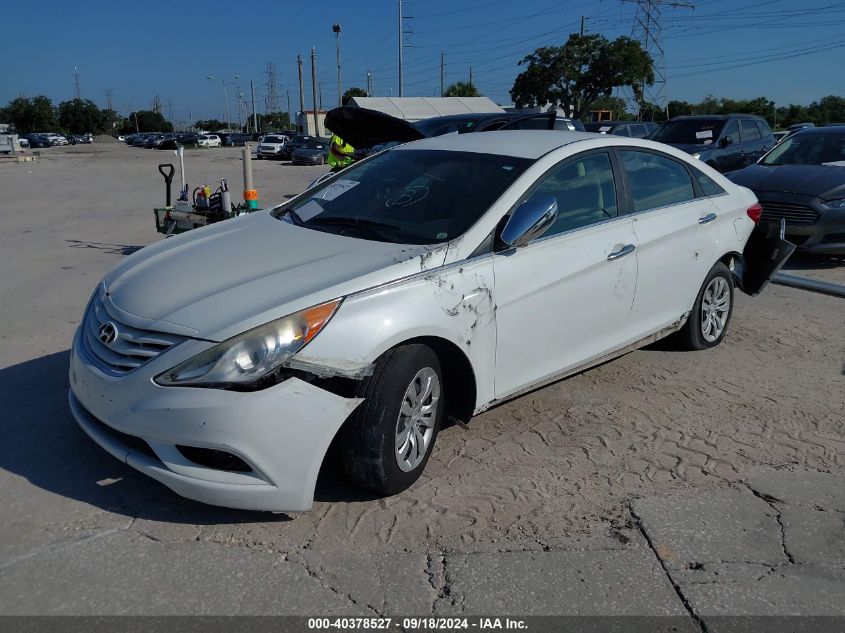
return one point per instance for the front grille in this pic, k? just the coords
(798, 240)
(791, 212)
(131, 347)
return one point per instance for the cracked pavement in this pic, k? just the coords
(694, 485)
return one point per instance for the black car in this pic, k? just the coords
(300, 140)
(726, 142)
(802, 181)
(37, 140)
(485, 122)
(633, 129)
(235, 139)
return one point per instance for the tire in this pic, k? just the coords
(707, 323)
(373, 454)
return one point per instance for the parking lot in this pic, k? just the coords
(690, 484)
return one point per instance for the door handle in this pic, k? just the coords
(628, 248)
(707, 219)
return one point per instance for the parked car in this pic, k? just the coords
(208, 140)
(634, 129)
(428, 282)
(800, 126)
(56, 139)
(299, 140)
(486, 122)
(235, 139)
(725, 142)
(151, 140)
(38, 140)
(313, 153)
(77, 139)
(271, 146)
(802, 181)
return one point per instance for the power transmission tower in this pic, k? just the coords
(109, 100)
(156, 104)
(648, 30)
(77, 92)
(402, 33)
(271, 100)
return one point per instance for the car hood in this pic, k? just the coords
(362, 128)
(692, 148)
(231, 276)
(823, 181)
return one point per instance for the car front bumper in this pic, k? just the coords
(823, 236)
(281, 433)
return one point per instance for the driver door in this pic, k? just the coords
(565, 298)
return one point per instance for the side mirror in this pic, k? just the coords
(728, 140)
(529, 221)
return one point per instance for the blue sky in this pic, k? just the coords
(117, 46)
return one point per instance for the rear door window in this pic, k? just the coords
(764, 128)
(655, 180)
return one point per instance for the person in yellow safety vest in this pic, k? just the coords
(341, 153)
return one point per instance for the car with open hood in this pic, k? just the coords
(425, 283)
(802, 183)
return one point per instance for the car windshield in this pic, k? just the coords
(437, 126)
(301, 139)
(809, 148)
(273, 139)
(407, 196)
(689, 131)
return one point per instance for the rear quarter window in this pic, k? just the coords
(706, 183)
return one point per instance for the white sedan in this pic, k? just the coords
(430, 281)
(209, 140)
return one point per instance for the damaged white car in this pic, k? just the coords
(425, 283)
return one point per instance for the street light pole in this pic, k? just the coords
(336, 29)
(225, 95)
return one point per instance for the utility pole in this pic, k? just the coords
(582, 26)
(369, 84)
(336, 29)
(648, 31)
(190, 119)
(470, 75)
(314, 89)
(289, 112)
(254, 113)
(301, 89)
(442, 67)
(401, 46)
(77, 93)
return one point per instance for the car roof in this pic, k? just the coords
(827, 129)
(518, 143)
(722, 117)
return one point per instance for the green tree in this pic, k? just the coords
(829, 109)
(354, 91)
(79, 116)
(146, 121)
(211, 125)
(274, 121)
(583, 70)
(30, 115)
(461, 89)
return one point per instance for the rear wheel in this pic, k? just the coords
(711, 313)
(388, 441)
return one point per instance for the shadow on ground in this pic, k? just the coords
(805, 261)
(40, 441)
(111, 249)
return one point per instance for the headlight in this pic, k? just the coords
(254, 354)
(696, 156)
(835, 204)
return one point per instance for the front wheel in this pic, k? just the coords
(388, 441)
(711, 313)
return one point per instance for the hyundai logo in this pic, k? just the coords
(107, 333)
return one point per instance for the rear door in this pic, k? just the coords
(675, 237)
(565, 298)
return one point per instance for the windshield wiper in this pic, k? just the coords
(382, 229)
